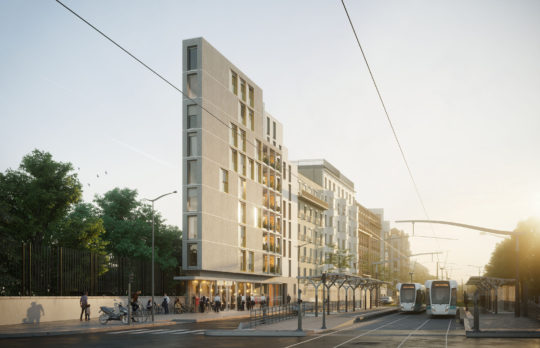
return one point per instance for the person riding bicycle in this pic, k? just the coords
(134, 303)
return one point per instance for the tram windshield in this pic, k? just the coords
(440, 293)
(407, 293)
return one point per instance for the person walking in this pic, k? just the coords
(243, 301)
(84, 303)
(288, 299)
(134, 304)
(217, 302)
(202, 304)
(165, 303)
(263, 301)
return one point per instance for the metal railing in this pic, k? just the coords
(269, 315)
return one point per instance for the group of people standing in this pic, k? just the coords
(205, 304)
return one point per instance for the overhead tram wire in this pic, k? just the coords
(156, 73)
(172, 85)
(388, 117)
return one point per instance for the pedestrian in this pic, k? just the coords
(197, 301)
(466, 300)
(84, 303)
(217, 302)
(263, 300)
(243, 301)
(202, 303)
(252, 301)
(134, 304)
(165, 303)
(177, 306)
(288, 299)
(149, 305)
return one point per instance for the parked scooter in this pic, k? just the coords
(109, 313)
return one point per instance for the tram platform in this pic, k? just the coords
(502, 325)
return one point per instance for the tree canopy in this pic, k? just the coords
(503, 259)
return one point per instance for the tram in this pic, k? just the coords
(411, 297)
(441, 297)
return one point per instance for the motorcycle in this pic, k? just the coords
(109, 313)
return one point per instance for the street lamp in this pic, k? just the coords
(153, 200)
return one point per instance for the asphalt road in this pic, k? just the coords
(396, 330)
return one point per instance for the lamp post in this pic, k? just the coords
(153, 200)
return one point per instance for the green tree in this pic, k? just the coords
(340, 259)
(128, 228)
(35, 197)
(503, 259)
(81, 228)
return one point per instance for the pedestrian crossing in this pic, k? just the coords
(158, 332)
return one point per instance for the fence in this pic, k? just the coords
(268, 315)
(56, 271)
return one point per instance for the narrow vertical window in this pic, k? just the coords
(192, 254)
(243, 139)
(243, 260)
(243, 113)
(192, 145)
(192, 199)
(191, 172)
(224, 181)
(192, 85)
(192, 227)
(274, 130)
(192, 57)
(242, 236)
(234, 83)
(251, 124)
(243, 89)
(234, 160)
(242, 212)
(234, 135)
(251, 263)
(243, 164)
(251, 169)
(268, 126)
(242, 188)
(191, 116)
(251, 97)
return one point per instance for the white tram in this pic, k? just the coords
(441, 297)
(411, 297)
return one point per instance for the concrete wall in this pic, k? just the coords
(36, 309)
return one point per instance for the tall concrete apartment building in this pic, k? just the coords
(369, 240)
(239, 192)
(340, 219)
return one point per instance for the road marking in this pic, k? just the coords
(365, 333)
(418, 328)
(186, 332)
(141, 332)
(447, 330)
(171, 331)
(125, 331)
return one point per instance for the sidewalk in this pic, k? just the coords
(310, 324)
(69, 327)
(504, 325)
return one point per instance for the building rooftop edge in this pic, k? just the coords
(327, 165)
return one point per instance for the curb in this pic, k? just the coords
(256, 333)
(369, 316)
(503, 334)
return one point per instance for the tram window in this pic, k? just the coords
(419, 299)
(440, 294)
(428, 297)
(407, 295)
(453, 302)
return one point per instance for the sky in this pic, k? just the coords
(460, 80)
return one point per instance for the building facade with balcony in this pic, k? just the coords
(311, 242)
(239, 195)
(369, 240)
(340, 229)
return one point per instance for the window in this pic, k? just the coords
(192, 85)
(290, 269)
(284, 248)
(242, 212)
(274, 130)
(251, 169)
(192, 57)
(192, 145)
(251, 263)
(265, 263)
(243, 139)
(234, 83)
(251, 121)
(259, 173)
(234, 135)
(234, 160)
(289, 249)
(192, 199)
(191, 172)
(243, 164)
(251, 96)
(242, 236)
(243, 114)
(192, 227)
(191, 116)
(268, 126)
(224, 181)
(242, 188)
(243, 89)
(192, 254)
(243, 260)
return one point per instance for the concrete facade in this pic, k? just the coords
(369, 240)
(340, 219)
(239, 205)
